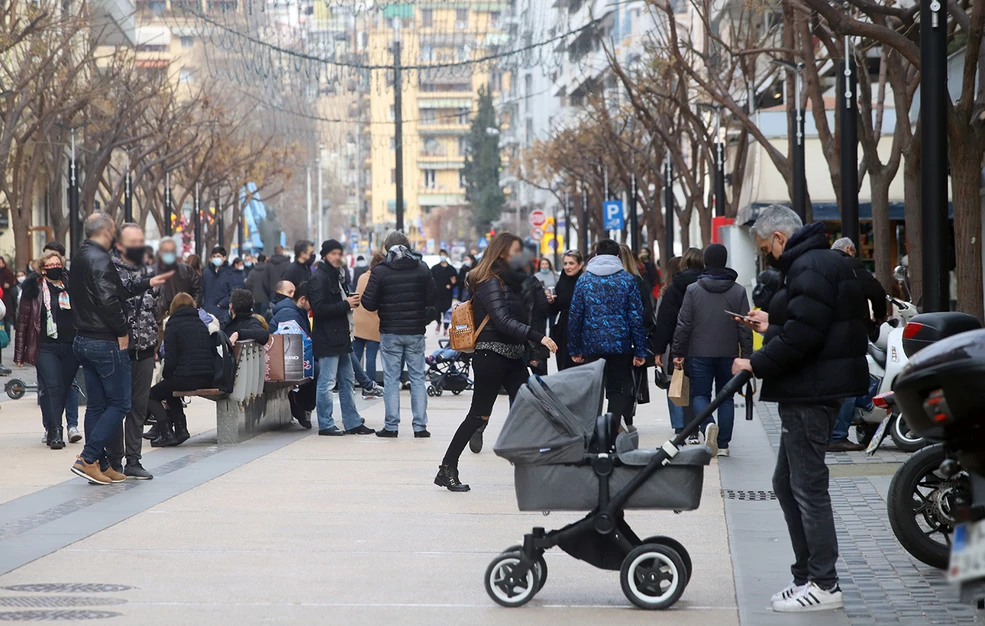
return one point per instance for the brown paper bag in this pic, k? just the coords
(274, 356)
(680, 388)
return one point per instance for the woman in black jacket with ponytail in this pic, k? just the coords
(497, 282)
(574, 267)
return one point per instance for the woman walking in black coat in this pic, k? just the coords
(692, 266)
(497, 282)
(574, 265)
(188, 365)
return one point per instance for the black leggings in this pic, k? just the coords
(490, 372)
(163, 392)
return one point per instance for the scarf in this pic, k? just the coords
(51, 329)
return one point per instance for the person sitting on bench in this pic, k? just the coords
(242, 325)
(188, 365)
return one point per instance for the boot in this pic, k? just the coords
(166, 437)
(58, 442)
(152, 433)
(448, 477)
(181, 429)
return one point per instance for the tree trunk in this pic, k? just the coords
(966, 184)
(914, 216)
(881, 231)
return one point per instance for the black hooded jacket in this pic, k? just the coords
(703, 327)
(816, 342)
(670, 306)
(401, 289)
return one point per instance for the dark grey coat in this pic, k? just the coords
(703, 327)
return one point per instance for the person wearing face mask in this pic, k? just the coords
(813, 356)
(184, 280)
(445, 278)
(141, 310)
(45, 330)
(217, 285)
(497, 304)
(545, 274)
(304, 257)
(21, 277)
(238, 276)
(249, 262)
(362, 266)
(463, 288)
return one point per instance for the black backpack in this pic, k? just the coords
(224, 360)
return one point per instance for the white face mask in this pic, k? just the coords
(20, 279)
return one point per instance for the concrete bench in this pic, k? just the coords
(254, 406)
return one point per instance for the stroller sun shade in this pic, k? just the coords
(552, 418)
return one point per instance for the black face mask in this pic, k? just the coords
(135, 255)
(311, 260)
(54, 273)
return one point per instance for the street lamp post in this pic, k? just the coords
(799, 164)
(398, 127)
(128, 194)
(668, 206)
(719, 159)
(321, 207)
(933, 153)
(848, 104)
(634, 226)
(583, 221)
(308, 198)
(197, 222)
(167, 204)
(75, 218)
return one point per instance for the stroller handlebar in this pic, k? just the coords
(730, 388)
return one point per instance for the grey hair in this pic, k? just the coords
(776, 218)
(97, 222)
(395, 238)
(127, 225)
(844, 244)
(171, 239)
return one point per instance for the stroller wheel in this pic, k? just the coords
(15, 388)
(438, 391)
(540, 565)
(456, 393)
(431, 390)
(653, 576)
(506, 590)
(681, 552)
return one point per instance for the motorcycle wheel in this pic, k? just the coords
(920, 506)
(903, 438)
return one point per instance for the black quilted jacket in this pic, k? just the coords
(502, 300)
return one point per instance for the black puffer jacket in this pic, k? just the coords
(188, 351)
(331, 335)
(502, 300)
(670, 307)
(97, 294)
(816, 343)
(402, 290)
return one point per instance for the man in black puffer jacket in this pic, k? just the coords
(402, 290)
(813, 357)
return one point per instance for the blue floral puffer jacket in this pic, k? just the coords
(606, 314)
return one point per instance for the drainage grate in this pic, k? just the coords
(68, 588)
(749, 496)
(55, 616)
(56, 601)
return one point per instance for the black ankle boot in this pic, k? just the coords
(181, 429)
(55, 439)
(152, 433)
(448, 477)
(165, 438)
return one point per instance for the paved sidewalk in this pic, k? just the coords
(296, 528)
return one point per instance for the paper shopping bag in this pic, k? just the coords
(680, 388)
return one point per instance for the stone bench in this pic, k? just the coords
(254, 405)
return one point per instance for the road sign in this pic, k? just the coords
(612, 210)
(537, 218)
(483, 243)
(536, 234)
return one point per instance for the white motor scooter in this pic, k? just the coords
(886, 360)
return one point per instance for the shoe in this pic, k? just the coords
(305, 420)
(331, 432)
(448, 478)
(678, 431)
(181, 429)
(711, 438)
(845, 446)
(114, 475)
(73, 435)
(44, 438)
(5, 371)
(723, 452)
(693, 440)
(137, 472)
(55, 441)
(475, 443)
(360, 430)
(421, 434)
(90, 471)
(372, 393)
(152, 433)
(811, 598)
(388, 434)
(787, 592)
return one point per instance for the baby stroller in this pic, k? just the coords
(448, 370)
(568, 458)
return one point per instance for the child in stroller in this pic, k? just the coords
(448, 370)
(567, 457)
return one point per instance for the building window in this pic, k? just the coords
(462, 183)
(427, 53)
(430, 179)
(461, 19)
(393, 176)
(393, 143)
(461, 53)
(187, 42)
(528, 85)
(393, 113)
(494, 18)
(496, 82)
(427, 18)
(463, 116)
(186, 75)
(530, 129)
(463, 146)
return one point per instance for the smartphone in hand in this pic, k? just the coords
(745, 318)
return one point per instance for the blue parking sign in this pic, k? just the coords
(612, 210)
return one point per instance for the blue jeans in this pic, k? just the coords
(371, 349)
(844, 421)
(56, 367)
(107, 374)
(357, 371)
(330, 370)
(703, 372)
(676, 414)
(71, 400)
(398, 350)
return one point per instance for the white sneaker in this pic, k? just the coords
(74, 436)
(811, 598)
(787, 592)
(711, 438)
(723, 452)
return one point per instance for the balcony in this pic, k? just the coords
(114, 21)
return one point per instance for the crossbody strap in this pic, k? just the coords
(478, 331)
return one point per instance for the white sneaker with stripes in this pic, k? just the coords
(811, 598)
(788, 592)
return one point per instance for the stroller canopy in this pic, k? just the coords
(552, 418)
